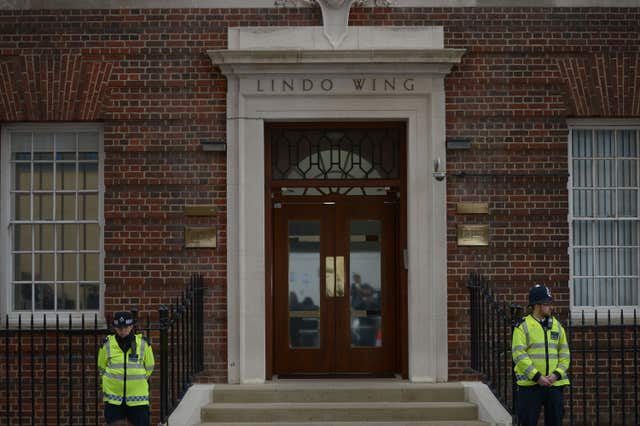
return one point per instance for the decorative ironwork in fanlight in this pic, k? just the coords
(335, 153)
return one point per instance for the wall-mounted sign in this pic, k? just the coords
(473, 208)
(200, 210)
(199, 237)
(473, 235)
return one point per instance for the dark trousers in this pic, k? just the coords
(532, 398)
(138, 415)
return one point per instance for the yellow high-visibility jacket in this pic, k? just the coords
(537, 351)
(125, 381)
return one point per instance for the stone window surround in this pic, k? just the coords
(424, 112)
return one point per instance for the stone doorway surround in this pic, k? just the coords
(296, 74)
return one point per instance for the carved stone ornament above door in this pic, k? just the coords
(335, 15)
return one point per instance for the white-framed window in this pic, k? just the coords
(604, 216)
(52, 219)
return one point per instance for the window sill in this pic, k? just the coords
(605, 316)
(61, 321)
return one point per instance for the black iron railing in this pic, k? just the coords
(49, 374)
(604, 359)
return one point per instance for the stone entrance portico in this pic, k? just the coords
(295, 74)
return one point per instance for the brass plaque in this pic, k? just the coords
(199, 237)
(473, 208)
(200, 210)
(473, 235)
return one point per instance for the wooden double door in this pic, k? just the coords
(335, 285)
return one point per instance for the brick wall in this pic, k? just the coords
(146, 76)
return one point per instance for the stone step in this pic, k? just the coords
(371, 423)
(339, 392)
(282, 412)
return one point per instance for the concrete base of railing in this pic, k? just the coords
(489, 408)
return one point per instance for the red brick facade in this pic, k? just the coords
(146, 76)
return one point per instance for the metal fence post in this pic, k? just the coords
(164, 363)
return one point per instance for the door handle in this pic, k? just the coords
(339, 276)
(329, 276)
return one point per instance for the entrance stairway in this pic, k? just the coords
(344, 403)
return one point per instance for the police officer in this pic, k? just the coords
(125, 362)
(541, 356)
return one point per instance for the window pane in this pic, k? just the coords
(627, 261)
(365, 290)
(88, 207)
(605, 290)
(67, 267)
(21, 146)
(581, 143)
(628, 233)
(627, 144)
(582, 292)
(89, 237)
(628, 291)
(627, 203)
(605, 233)
(627, 173)
(65, 206)
(604, 143)
(22, 238)
(68, 237)
(22, 177)
(65, 146)
(605, 202)
(22, 207)
(89, 297)
(304, 284)
(582, 173)
(43, 237)
(582, 232)
(89, 267)
(43, 267)
(42, 146)
(22, 267)
(88, 178)
(605, 172)
(605, 261)
(22, 297)
(88, 145)
(43, 176)
(66, 176)
(44, 297)
(582, 203)
(42, 206)
(583, 262)
(67, 296)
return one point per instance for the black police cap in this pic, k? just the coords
(123, 319)
(539, 294)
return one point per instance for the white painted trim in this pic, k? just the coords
(489, 408)
(5, 208)
(603, 123)
(5, 247)
(248, 108)
(242, 4)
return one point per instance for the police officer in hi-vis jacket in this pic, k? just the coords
(541, 356)
(125, 362)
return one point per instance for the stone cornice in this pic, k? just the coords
(335, 61)
(239, 4)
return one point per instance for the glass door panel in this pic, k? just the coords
(366, 283)
(304, 284)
